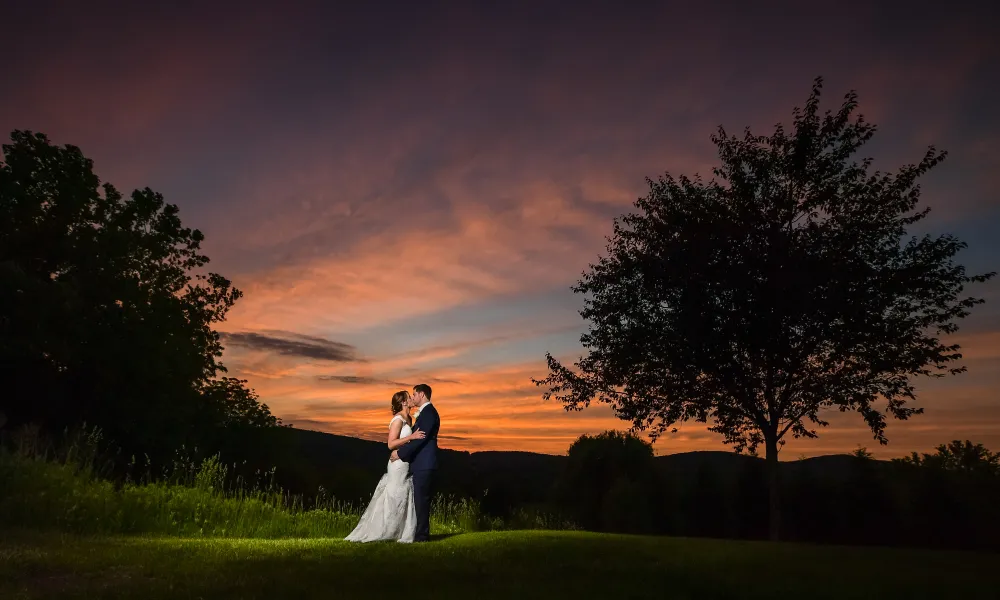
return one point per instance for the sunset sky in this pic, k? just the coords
(405, 193)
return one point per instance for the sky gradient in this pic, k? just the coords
(406, 192)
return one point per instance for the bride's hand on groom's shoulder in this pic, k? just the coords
(417, 435)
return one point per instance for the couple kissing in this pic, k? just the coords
(400, 508)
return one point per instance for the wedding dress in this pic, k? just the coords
(391, 515)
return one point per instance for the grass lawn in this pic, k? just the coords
(536, 564)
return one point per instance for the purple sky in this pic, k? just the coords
(405, 192)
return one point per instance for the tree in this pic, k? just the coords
(106, 311)
(862, 453)
(238, 405)
(958, 456)
(785, 286)
(952, 494)
(609, 482)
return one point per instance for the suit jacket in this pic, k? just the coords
(422, 454)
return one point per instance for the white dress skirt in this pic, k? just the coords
(391, 515)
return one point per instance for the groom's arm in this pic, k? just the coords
(426, 421)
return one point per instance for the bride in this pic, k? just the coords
(391, 514)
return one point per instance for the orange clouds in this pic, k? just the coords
(982, 346)
(479, 253)
(498, 408)
(413, 187)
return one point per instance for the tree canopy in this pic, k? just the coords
(609, 482)
(958, 455)
(785, 285)
(106, 309)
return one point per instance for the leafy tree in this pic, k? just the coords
(106, 312)
(609, 481)
(862, 453)
(785, 286)
(958, 456)
(238, 405)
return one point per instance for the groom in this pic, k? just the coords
(422, 456)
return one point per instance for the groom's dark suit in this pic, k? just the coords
(422, 456)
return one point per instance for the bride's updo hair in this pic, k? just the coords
(398, 400)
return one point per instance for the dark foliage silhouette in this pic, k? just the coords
(785, 286)
(608, 482)
(958, 456)
(106, 309)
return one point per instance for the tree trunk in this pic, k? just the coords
(774, 493)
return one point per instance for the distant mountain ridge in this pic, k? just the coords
(349, 467)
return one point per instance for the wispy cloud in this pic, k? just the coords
(354, 379)
(293, 344)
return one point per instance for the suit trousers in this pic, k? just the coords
(422, 490)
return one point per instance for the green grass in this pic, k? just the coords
(537, 564)
(44, 492)
(197, 532)
(45, 495)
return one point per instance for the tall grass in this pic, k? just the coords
(43, 488)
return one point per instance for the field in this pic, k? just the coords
(67, 533)
(538, 564)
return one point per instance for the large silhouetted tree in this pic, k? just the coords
(106, 311)
(786, 285)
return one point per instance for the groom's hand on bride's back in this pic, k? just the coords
(394, 455)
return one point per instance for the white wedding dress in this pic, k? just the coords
(391, 515)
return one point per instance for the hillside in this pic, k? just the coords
(349, 467)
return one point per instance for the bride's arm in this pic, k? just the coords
(394, 429)
(394, 440)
